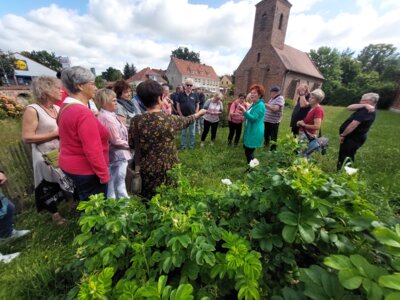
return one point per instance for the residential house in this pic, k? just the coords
(147, 73)
(225, 83)
(269, 61)
(203, 75)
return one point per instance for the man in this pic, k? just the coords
(273, 116)
(353, 132)
(188, 104)
(174, 97)
(7, 232)
(200, 121)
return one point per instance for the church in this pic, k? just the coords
(270, 61)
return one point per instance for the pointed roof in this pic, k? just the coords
(145, 74)
(298, 61)
(192, 69)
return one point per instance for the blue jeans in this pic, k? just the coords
(191, 132)
(116, 185)
(6, 220)
(87, 185)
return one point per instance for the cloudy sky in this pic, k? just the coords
(103, 33)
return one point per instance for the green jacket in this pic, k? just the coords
(254, 130)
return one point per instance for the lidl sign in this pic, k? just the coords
(21, 65)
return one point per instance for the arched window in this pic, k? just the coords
(280, 22)
(263, 23)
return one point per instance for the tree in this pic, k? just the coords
(100, 82)
(350, 67)
(375, 57)
(111, 74)
(129, 71)
(45, 58)
(6, 67)
(184, 53)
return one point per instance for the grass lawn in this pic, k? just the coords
(40, 273)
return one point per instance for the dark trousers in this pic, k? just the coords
(295, 130)
(249, 152)
(6, 220)
(348, 149)
(87, 185)
(235, 129)
(270, 134)
(207, 125)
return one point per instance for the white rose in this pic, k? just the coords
(350, 170)
(226, 181)
(254, 163)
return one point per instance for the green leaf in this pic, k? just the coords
(374, 292)
(184, 292)
(393, 296)
(162, 281)
(289, 233)
(288, 218)
(290, 294)
(338, 262)
(363, 266)
(307, 233)
(387, 237)
(390, 281)
(350, 278)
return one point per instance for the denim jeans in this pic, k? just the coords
(6, 220)
(116, 185)
(191, 133)
(87, 185)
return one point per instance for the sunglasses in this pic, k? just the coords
(189, 85)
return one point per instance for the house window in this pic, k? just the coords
(263, 22)
(280, 22)
(258, 56)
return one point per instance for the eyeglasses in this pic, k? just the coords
(189, 84)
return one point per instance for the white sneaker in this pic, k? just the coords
(18, 233)
(9, 257)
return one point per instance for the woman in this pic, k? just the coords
(214, 108)
(156, 132)
(313, 120)
(119, 148)
(125, 108)
(254, 130)
(167, 102)
(235, 119)
(84, 141)
(39, 128)
(301, 109)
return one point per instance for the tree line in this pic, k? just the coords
(347, 76)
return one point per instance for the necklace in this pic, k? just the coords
(51, 111)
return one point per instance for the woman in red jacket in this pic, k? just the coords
(83, 140)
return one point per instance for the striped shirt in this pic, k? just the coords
(275, 117)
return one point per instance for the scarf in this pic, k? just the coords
(128, 105)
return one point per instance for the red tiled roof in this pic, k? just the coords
(192, 69)
(144, 74)
(298, 61)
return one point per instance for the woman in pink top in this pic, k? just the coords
(83, 140)
(235, 119)
(106, 99)
(214, 109)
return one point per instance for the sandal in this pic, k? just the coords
(58, 219)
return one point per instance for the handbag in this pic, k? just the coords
(316, 144)
(136, 181)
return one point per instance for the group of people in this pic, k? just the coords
(96, 147)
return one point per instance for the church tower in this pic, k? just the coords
(270, 23)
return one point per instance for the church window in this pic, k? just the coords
(263, 23)
(280, 22)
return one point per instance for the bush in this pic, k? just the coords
(10, 108)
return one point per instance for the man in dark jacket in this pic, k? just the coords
(353, 132)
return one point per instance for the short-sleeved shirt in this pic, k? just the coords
(188, 103)
(314, 113)
(365, 118)
(275, 116)
(299, 113)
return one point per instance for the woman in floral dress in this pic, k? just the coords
(156, 131)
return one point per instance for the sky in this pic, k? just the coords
(104, 33)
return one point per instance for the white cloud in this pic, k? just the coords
(144, 32)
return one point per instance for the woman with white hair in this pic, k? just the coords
(84, 140)
(313, 120)
(106, 100)
(39, 128)
(214, 109)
